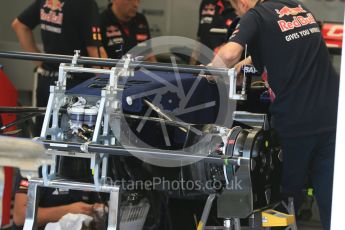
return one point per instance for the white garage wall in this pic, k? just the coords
(20, 72)
(327, 10)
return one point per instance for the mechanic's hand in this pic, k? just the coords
(38, 63)
(98, 205)
(238, 67)
(210, 78)
(80, 208)
(239, 78)
(99, 208)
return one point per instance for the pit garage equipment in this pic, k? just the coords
(98, 127)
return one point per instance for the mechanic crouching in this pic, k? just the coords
(85, 208)
(285, 42)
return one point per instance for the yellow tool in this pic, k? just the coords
(201, 226)
(272, 218)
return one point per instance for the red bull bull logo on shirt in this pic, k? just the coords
(53, 5)
(287, 11)
(51, 12)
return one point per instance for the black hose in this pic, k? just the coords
(24, 118)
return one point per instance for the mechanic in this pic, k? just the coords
(124, 28)
(66, 26)
(285, 42)
(217, 14)
(54, 203)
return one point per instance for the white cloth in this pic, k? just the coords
(70, 221)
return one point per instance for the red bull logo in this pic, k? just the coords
(52, 12)
(287, 11)
(113, 31)
(228, 22)
(209, 9)
(54, 5)
(298, 21)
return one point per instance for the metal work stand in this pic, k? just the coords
(110, 103)
(25, 154)
(229, 224)
(33, 197)
(235, 224)
(290, 207)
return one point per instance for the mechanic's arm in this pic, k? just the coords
(195, 54)
(246, 61)
(47, 215)
(97, 52)
(227, 56)
(151, 58)
(26, 38)
(94, 51)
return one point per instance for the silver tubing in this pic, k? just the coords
(114, 207)
(206, 211)
(31, 207)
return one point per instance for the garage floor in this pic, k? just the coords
(310, 225)
(314, 223)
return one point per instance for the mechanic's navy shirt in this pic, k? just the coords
(284, 39)
(74, 169)
(214, 14)
(66, 25)
(119, 38)
(53, 197)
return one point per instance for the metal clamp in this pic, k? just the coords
(85, 147)
(75, 57)
(233, 83)
(113, 80)
(62, 76)
(126, 70)
(127, 61)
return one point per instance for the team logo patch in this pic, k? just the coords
(206, 20)
(298, 21)
(142, 37)
(54, 5)
(113, 31)
(115, 41)
(228, 22)
(209, 9)
(51, 13)
(287, 11)
(96, 33)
